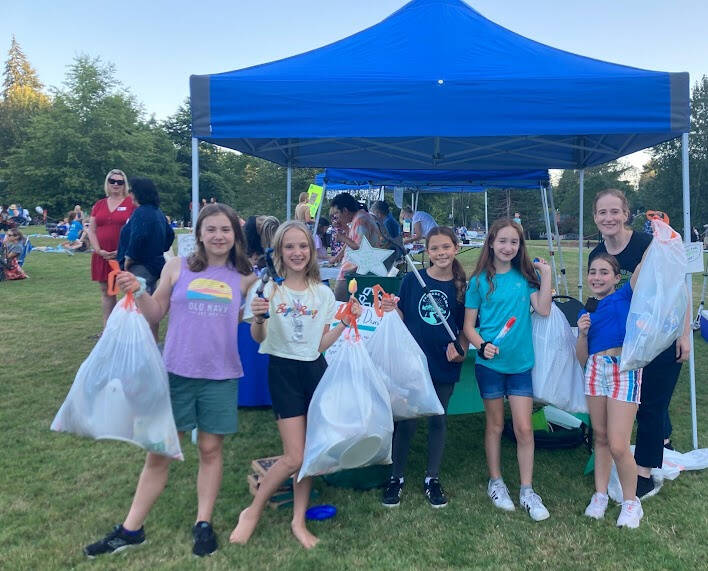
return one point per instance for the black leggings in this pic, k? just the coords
(437, 427)
(653, 424)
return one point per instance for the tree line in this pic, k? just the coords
(57, 145)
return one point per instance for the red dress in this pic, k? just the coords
(107, 225)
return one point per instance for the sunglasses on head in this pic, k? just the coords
(114, 181)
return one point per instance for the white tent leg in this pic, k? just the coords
(544, 203)
(689, 281)
(195, 181)
(289, 192)
(564, 278)
(486, 214)
(580, 236)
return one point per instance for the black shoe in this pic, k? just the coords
(646, 487)
(204, 539)
(392, 493)
(435, 494)
(114, 542)
(669, 445)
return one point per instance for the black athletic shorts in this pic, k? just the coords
(292, 384)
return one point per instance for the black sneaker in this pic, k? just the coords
(669, 445)
(114, 542)
(435, 494)
(204, 539)
(646, 488)
(392, 493)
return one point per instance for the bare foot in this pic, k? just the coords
(303, 535)
(244, 528)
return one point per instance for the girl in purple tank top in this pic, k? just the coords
(203, 296)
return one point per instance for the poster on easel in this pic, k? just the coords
(314, 198)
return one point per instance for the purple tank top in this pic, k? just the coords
(201, 341)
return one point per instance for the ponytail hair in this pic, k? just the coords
(459, 278)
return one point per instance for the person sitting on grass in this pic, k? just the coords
(10, 256)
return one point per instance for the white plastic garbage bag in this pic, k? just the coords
(556, 375)
(659, 300)
(395, 352)
(349, 422)
(672, 465)
(121, 390)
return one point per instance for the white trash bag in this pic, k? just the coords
(121, 390)
(659, 300)
(395, 352)
(349, 422)
(557, 376)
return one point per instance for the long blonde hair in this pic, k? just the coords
(126, 184)
(312, 270)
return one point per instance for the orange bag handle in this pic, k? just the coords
(378, 301)
(112, 289)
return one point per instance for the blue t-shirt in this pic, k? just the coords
(511, 298)
(74, 230)
(425, 326)
(608, 321)
(392, 226)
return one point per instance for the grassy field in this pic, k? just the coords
(59, 492)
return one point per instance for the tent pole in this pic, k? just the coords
(689, 281)
(564, 279)
(486, 215)
(580, 235)
(551, 252)
(195, 182)
(289, 192)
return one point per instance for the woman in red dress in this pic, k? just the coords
(108, 216)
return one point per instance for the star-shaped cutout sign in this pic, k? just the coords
(368, 259)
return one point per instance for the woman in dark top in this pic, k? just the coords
(146, 236)
(611, 213)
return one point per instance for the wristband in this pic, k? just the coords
(261, 322)
(480, 351)
(142, 289)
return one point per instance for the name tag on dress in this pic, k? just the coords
(121, 208)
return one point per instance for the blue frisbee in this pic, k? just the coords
(318, 513)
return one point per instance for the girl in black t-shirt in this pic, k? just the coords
(447, 280)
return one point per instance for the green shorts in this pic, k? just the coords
(210, 406)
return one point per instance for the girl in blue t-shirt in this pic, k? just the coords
(612, 395)
(446, 281)
(505, 285)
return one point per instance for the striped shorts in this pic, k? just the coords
(603, 378)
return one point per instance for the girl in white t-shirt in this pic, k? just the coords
(295, 335)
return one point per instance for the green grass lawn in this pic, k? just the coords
(59, 492)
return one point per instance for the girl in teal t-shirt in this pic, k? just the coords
(505, 285)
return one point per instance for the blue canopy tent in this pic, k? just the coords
(438, 86)
(451, 181)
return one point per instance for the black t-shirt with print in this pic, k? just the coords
(628, 258)
(425, 326)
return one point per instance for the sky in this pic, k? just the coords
(157, 44)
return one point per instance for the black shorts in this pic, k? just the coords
(141, 271)
(292, 384)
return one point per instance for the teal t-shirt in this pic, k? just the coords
(511, 298)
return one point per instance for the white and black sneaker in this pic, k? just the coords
(116, 541)
(499, 494)
(392, 493)
(533, 504)
(435, 493)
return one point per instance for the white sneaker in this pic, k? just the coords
(534, 506)
(597, 506)
(499, 494)
(631, 514)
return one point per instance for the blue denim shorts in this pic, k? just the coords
(494, 385)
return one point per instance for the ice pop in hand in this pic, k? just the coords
(353, 286)
(507, 326)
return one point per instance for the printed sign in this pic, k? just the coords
(185, 244)
(314, 198)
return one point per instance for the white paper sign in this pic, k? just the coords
(185, 244)
(694, 257)
(367, 323)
